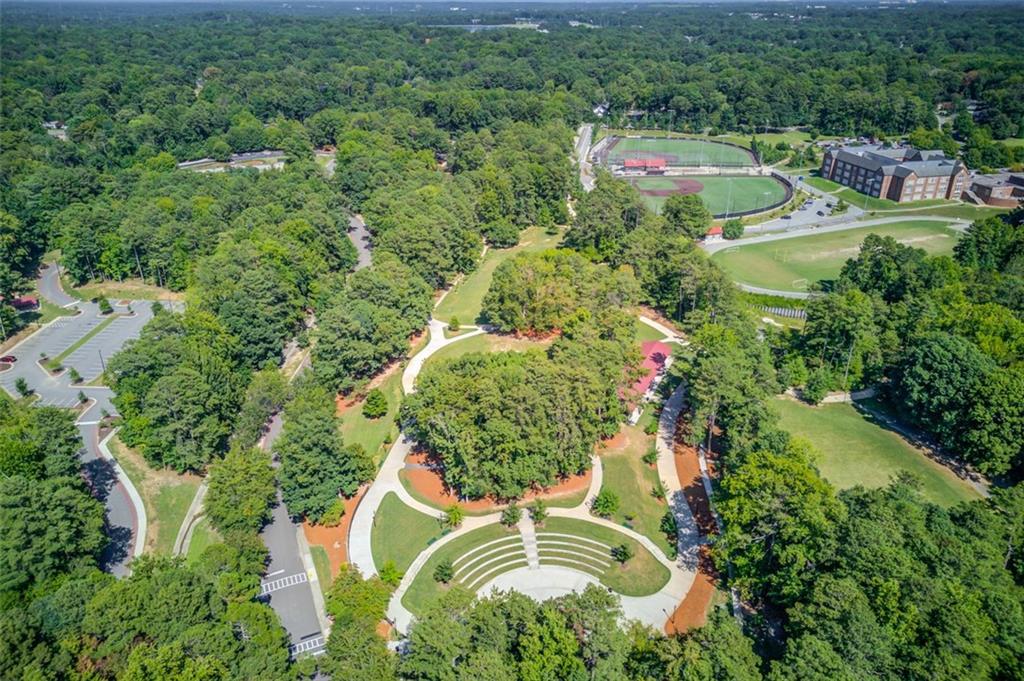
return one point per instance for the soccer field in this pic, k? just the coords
(794, 264)
(678, 152)
(720, 194)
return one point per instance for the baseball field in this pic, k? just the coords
(722, 194)
(677, 152)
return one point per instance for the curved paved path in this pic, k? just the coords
(538, 581)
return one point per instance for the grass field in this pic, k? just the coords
(963, 211)
(780, 265)
(856, 451)
(165, 495)
(424, 590)
(822, 184)
(633, 481)
(129, 289)
(722, 195)
(465, 300)
(322, 565)
(400, 533)
(202, 536)
(678, 151)
(482, 343)
(373, 433)
(643, 575)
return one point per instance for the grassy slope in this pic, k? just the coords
(633, 481)
(372, 433)
(856, 451)
(202, 536)
(776, 264)
(643, 575)
(400, 533)
(424, 590)
(465, 300)
(165, 494)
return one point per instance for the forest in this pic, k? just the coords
(450, 142)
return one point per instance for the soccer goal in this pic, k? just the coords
(799, 284)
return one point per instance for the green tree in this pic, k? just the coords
(241, 490)
(732, 229)
(510, 515)
(444, 572)
(453, 516)
(623, 553)
(606, 503)
(376, 405)
(686, 214)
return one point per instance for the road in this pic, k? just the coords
(360, 238)
(583, 137)
(287, 584)
(122, 513)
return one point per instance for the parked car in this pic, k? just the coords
(8, 359)
(828, 205)
(821, 213)
(787, 217)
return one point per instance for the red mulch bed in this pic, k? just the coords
(428, 484)
(335, 539)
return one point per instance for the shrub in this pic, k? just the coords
(82, 398)
(659, 491)
(539, 512)
(74, 375)
(732, 229)
(105, 307)
(21, 385)
(376, 405)
(652, 427)
(389, 573)
(511, 515)
(444, 572)
(453, 516)
(453, 325)
(334, 513)
(623, 553)
(651, 457)
(606, 503)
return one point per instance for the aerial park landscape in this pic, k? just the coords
(401, 343)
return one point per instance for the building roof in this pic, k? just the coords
(644, 163)
(655, 354)
(899, 161)
(714, 230)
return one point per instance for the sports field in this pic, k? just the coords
(722, 194)
(677, 152)
(794, 264)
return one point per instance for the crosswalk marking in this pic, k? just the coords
(314, 644)
(283, 583)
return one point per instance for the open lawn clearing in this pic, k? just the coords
(487, 342)
(1013, 141)
(424, 590)
(865, 202)
(373, 434)
(128, 289)
(642, 575)
(794, 264)
(964, 211)
(822, 184)
(202, 536)
(646, 333)
(721, 194)
(322, 564)
(678, 151)
(633, 481)
(400, 533)
(465, 300)
(856, 451)
(165, 494)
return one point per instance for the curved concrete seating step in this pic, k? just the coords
(470, 565)
(499, 570)
(584, 549)
(541, 536)
(558, 554)
(479, 568)
(475, 552)
(575, 565)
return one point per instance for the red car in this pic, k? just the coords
(9, 359)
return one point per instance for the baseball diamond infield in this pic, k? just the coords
(677, 151)
(723, 195)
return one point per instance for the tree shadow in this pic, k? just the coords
(101, 478)
(118, 548)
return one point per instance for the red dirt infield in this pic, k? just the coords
(682, 186)
(424, 476)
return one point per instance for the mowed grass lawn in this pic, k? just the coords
(400, 533)
(202, 536)
(721, 195)
(466, 299)
(374, 434)
(634, 481)
(484, 342)
(165, 495)
(782, 264)
(678, 151)
(856, 451)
